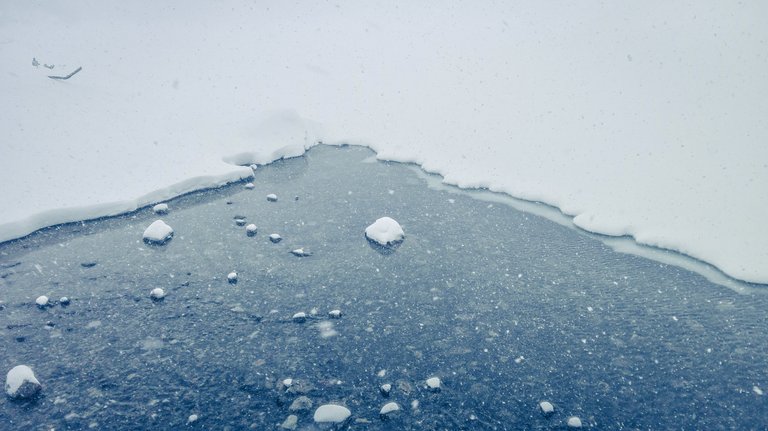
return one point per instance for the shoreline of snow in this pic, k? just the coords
(644, 120)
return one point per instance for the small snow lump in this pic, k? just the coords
(42, 301)
(300, 252)
(272, 197)
(157, 294)
(332, 413)
(433, 383)
(546, 407)
(389, 408)
(334, 314)
(574, 422)
(158, 233)
(160, 209)
(232, 277)
(251, 229)
(21, 383)
(385, 231)
(275, 238)
(299, 317)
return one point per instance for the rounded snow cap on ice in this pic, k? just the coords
(158, 233)
(21, 382)
(385, 231)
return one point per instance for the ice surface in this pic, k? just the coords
(21, 382)
(331, 413)
(385, 231)
(648, 121)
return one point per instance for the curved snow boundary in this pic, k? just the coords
(21, 228)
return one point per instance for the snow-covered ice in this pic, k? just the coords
(157, 294)
(21, 382)
(160, 209)
(158, 233)
(385, 231)
(606, 119)
(331, 413)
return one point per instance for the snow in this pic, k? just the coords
(385, 231)
(157, 293)
(641, 119)
(158, 232)
(21, 382)
(331, 413)
(42, 301)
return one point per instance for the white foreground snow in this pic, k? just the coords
(158, 232)
(331, 413)
(385, 231)
(643, 119)
(21, 382)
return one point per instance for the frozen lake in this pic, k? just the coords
(507, 308)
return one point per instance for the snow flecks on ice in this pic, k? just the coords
(21, 383)
(160, 209)
(331, 413)
(157, 294)
(158, 233)
(385, 231)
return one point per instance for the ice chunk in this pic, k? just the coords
(272, 197)
(385, 231)
(287, 382)
(64, 301)
(249, 186)
(301, 403)
(192, 418)
(385, 389)
(21, 382)
(333, 413)
(42, 301)
(300, 317)
(546, 407)
(251, 229)
(160, 209)
(157, 294)
(300, 252)
(433, 383)
(574, 422)
(275, 238)
(290, 422)
(158, 233)
(389, 408)
(334, 314)
(232, 277)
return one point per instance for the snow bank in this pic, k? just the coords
(642, 119)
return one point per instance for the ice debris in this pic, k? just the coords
(332, 413)
(158, 233)
(160, 209)
(546, 407)
(385, 231)
(42, 301)
(157, 294)
(251, 229)
(275, 238)
(21, 383)
(574, 422)
(272, 197)
(433, 383)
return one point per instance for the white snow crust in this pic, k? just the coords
(385, 231)
(644, 119)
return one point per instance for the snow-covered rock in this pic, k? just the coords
(275, 238)
(300, 252)
(158, 233)
(389, 408)
(157, 294)
(21, 382)
(332, 413)
(251, 229)
(433, 383)
(546, 407)
(385, 389)
(272, 197)
(232, 277)
(299, 317)
(334, 314)
(385, 231)
(574, 422)
(160, 209)
(42, 301)
(302, 403)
